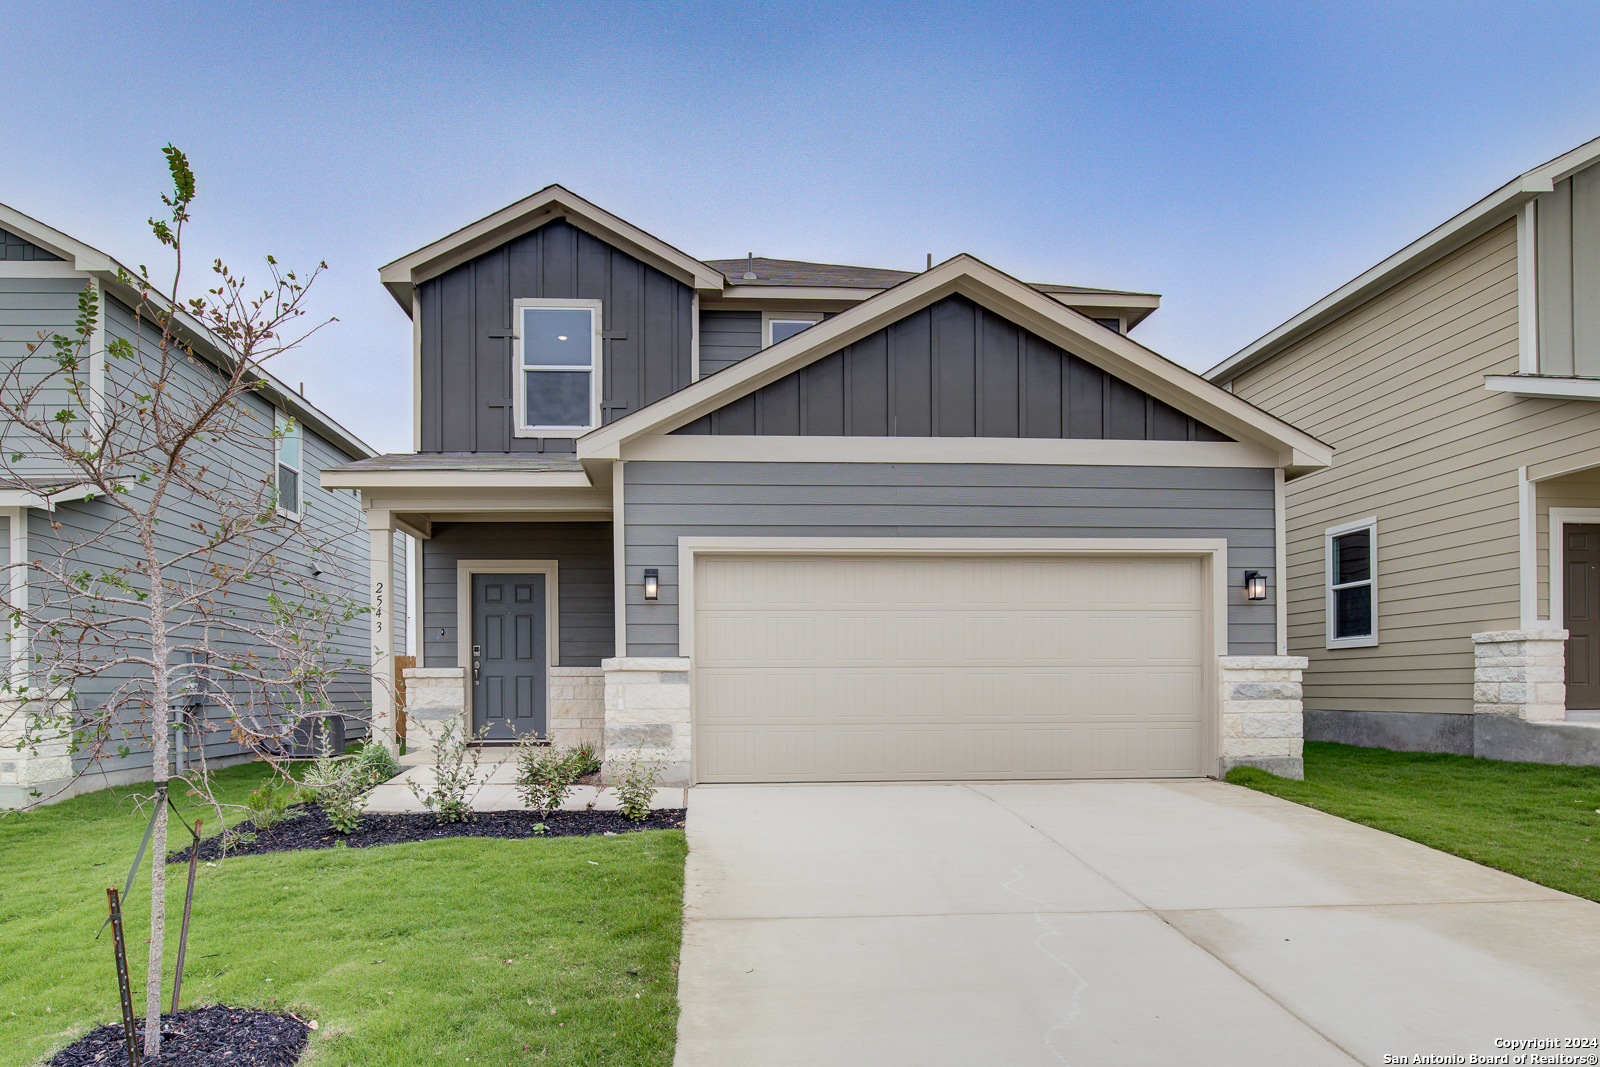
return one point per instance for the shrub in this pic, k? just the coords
(338, 784)
(636, 783)
(455, 772)
(375, 765)
(585, 757)
(267, 806)
(341, 803)
(545, 775)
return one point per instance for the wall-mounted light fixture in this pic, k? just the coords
(1255, 585)
(652, 584)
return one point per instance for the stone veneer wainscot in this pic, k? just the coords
(1262, 720)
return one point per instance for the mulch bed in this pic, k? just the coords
(309, 828)
(199, 1037)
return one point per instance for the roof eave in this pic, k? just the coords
(1478, 219)
(1026, 306)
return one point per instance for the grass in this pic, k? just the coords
(1534, 820)
(441, 952)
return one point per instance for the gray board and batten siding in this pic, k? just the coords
(666, 500)
(1568, 274)
(466, 388)
(953, 369)
(19, 249)
(582, 551)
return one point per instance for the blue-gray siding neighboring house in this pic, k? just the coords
(39, 293)
(954, 528)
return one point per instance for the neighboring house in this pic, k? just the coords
(777, 521)
(1444, 573)
(42, 273)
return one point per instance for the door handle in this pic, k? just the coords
(475, 666)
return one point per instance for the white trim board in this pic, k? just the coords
(1559, 519)
(1366, 640)
(714, 448)
(465, 569)
(1544, 386)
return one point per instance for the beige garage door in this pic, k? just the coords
(812, 668)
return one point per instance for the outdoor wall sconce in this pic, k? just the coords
(1255, 585)
(652, 584)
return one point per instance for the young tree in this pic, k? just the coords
(163, 430)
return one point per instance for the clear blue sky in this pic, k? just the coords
(1240, 159)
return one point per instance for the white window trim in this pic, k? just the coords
(519, 380)
(769, 317)
(1559, 519)
(299, 469)
(1366, 640)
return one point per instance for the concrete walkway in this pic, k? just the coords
(496, 791)
(1102, 924)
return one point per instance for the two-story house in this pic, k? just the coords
(1444, 574)
(770, 520)
(43, 510)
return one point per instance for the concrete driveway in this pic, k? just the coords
(1104, 923)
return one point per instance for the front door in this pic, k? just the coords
(508, 655)
(1581, 560)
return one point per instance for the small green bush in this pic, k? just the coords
(545, 775)
(267, 806)
(375, 764)
(585, 757)
(636, 783)
(455, 772)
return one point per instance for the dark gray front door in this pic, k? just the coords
(508, 655)
(1581, 557)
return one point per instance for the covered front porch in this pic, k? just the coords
(516, 601)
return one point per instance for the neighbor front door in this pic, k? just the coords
(508, 655)
(1581, 561)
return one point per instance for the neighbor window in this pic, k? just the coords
(781, 327)
(557, 367)
(289, 465)
(1352, 588)
(1114, 325)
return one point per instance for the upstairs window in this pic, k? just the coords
(557, 355)
(1352, 584)
(777, 327)
(290, 467)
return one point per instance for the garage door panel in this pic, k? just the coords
(852, 669)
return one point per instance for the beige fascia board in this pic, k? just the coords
(340, 478)
(1489, 212)
(434, 501)
(28, 498)
(40, 268)
(951, 450)
(528, 214)
(991, 288)
(1543, 386)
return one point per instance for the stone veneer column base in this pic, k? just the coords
(577, 706)
(35, 750)
(647, 713)
(1521, 673)
(436, 701)
(1262, 724)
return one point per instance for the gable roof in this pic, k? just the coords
(799, 272)
(552, 202)
(1483, 216)
(109, 273)
(1020, 303)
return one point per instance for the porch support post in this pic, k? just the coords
(1262, 714)
(1520, 673)
(380, 528)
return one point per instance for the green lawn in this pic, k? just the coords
(1534, 820)
(465, 949)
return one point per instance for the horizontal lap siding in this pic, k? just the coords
(1396, 386)
(29, 307)
(668, 500)
(726, 337)
(583, 552)
(334, 515)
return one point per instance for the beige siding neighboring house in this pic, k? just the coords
(1455, 443)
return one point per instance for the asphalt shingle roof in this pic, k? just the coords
(799, 272)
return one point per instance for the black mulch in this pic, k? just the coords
(199, 1037)
(310, 829)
